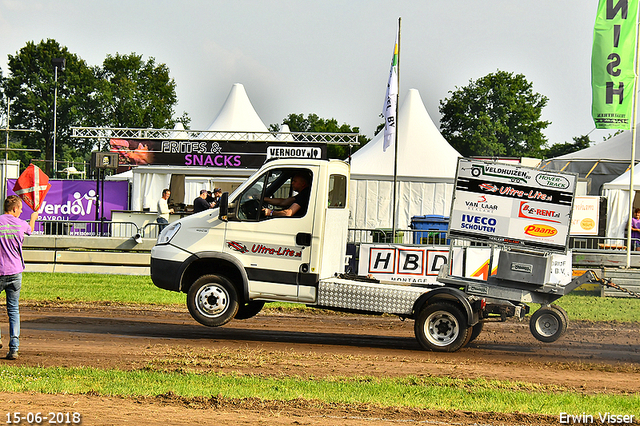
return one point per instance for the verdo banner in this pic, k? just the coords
(77, 200)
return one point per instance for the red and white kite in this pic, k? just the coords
(32, 186)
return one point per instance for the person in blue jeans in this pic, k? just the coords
(12, 232)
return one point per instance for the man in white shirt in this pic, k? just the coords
(163, 210)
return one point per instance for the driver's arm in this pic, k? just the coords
(293, 209)
(280, 202)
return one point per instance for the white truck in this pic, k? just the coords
(232, 259)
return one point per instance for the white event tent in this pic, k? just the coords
(600, 163)
(425, 173)
(236, 115)
(617, 193)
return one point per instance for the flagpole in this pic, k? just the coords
(633, 149)
(395, 145)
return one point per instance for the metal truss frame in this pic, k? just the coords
(170, 134)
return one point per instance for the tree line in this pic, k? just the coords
(496, 115)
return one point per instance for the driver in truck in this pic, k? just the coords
(295, 206)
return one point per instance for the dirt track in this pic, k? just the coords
(590, 358)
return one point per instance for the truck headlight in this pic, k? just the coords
(168, 233)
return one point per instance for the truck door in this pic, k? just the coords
(275, 251)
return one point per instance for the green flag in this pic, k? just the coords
(613, 63)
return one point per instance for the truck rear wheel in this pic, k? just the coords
(547, 324)
(475, 331)
(212, 300)
(441, 327)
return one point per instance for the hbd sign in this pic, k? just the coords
(402, 263)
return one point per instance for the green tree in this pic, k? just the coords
(313, 123)
(496, 115)
(556, 150)
(30, 87)
(137, 94)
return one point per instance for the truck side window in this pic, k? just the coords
(337, 191)
(250, 204)
(287, 195)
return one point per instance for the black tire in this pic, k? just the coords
(564, 313)
(547, 324)
(212, 300)
(442, 327)
(249, 309)
(475, 331)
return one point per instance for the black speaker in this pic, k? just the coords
(104, 160)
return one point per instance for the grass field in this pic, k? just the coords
(425, 392)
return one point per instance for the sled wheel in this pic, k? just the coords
(564, 314)
(212, 300)
(547, 324)
(441, 327)
(249, 309)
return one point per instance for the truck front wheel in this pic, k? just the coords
(212, 300)
(441, 327)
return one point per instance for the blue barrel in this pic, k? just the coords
(432, 229)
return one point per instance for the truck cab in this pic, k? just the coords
(232, 259)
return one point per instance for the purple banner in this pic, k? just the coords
(76, 200)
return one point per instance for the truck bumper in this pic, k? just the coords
(166, 274)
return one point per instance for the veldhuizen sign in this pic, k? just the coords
(512, 205)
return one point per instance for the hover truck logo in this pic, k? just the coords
(551, 181)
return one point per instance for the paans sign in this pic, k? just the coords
(512, 205)
(217, 154)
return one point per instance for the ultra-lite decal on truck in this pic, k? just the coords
(265, 250)
(512, 205)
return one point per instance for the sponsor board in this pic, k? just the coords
(586, 216)
(512, 205)
(293, 152)
(209, 153)
(416, 265)
(77, 200)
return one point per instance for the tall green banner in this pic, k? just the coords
(613, 63)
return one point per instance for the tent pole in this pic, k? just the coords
(395, 147)
(633, 151)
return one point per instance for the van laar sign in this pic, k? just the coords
(218, 154)
(77, 200)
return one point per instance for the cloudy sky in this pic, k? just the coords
(329, 57)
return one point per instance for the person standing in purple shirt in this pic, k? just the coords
(12, 232)
(635, 229)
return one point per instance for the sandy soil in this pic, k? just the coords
(590, 358)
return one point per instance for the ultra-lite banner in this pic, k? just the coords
(613, 63)
(207, 153)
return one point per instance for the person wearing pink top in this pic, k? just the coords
(12, 232)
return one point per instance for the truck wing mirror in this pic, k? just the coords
(224, 206)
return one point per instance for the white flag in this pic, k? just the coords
(391, 100)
